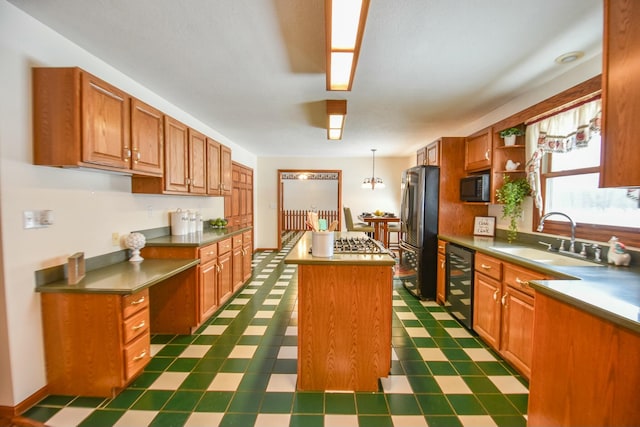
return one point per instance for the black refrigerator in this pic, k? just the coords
(418, 264)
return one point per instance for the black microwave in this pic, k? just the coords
(475, 188)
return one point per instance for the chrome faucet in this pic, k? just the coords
(572, 248)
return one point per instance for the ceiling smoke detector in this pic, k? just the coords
(569, 57)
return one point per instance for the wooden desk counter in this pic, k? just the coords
(344, 319)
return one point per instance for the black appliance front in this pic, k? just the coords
(460, 267)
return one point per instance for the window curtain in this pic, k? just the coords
(560, 133)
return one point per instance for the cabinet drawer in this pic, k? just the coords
(134, 303)
(136, 356)
(136, 325)
(518, 278)
(246, 237)
(224, 246)
(490, 266)
(237, 241)
(207, 253)
(442, 246)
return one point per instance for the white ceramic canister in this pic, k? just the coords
(322, 244)
(179, 222)
(192, 221)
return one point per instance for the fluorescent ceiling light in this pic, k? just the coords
(336, 114)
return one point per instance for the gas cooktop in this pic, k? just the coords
(358, 245)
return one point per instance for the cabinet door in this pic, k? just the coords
(620, 94)
(146, 138)
(516, 344)
(197, 162)
(441, 282)
(105, 124)
(421, 156)
(237, 263)
(213, 167)
(487, 309)
(433, 154)
(478, 151)
(225, 170)
(176, 143)
(208, 289)
(247, 268)
(225, 277)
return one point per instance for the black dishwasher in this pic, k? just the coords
(459, 302)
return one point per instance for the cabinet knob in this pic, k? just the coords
(127, 153)
(523, 283)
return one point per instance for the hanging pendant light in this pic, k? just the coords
(373, 182)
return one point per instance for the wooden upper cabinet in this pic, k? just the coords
(197, 162)
(421, 156)
(147, 136)
(219, 181)
(226, 181)
(478, 151)
(176, 155)
(620, 94)
(432, 156)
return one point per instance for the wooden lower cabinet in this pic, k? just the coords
(208, 283)
(441, 284)
(95, 344)
(504, 309)
(238, 262)
(247, 255)
(225, 274)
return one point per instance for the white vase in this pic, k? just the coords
(509, 140)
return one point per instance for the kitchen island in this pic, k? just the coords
(344, 318)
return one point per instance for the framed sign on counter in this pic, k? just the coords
(484, 226)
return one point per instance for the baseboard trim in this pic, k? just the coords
(12, 411)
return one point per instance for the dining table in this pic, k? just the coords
(380, 226)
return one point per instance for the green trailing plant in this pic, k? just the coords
(511, 131)
(511, 195)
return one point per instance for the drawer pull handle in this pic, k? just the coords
(138, 301)
(443, 263)
(440, 247)
(138, 326)
(140, 356)
(504, 299)
(485, 266)
(495, 295)
(523, 283)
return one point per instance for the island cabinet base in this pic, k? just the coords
(585, 370)
(344, 326)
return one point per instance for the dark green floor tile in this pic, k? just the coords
(102, 418)
(285, 366)
(277, 403)
(443, 421)
(480, 384)
(401, 341)
(339, 403)
(430, 322)
(371, 403)
(450, 324)
(235, 365)
(411, 323)
(509, 420)
(402, 404)
(441, 368)
(415, 367)
(492, 368)
(41, 413)
(260, 322)
(290, 340)
(197, 381)
(183, 401)
(159, 364)
(375, 420)
(183, 339)
(254, 382)
(214, 401)
(87, 402)
(169, 419)
(250, 340)
(446, 342)
(308, 403)
(497, 404)
(466, 404)
(467, 368)
(171, 350)
(438, 332)
(520, 401)
(424, 342)
(260, 365)
(455, 354)
(399, 331)
(396, 368)
(183, 364)
(56, 400)
(205, 339)
(152, 400)
(125, 399)
(301, 420)
(434, 404)
(408, 353)
(238, 420)
(424, 384)
(246, 401)
(266, 352)
(219, 350)
(161, 339)
(209, 365)
(469, 343)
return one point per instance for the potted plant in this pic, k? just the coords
(511, 195)
(509, 135)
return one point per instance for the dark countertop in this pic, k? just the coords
(209, 235)
(606, 291)
(300, 254)
(123, 277)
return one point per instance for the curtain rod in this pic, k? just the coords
(568, 106)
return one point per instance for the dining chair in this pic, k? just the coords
(397, 228)
(361, 226)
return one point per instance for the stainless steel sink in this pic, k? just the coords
(544, 257)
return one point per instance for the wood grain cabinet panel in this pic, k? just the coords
(147, 138)
(478, 151)
(176, 155)
(441, 284)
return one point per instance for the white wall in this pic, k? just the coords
(88, 206)
(310, 194)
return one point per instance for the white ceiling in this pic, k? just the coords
(254, 70)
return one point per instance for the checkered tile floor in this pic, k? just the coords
(239, 369)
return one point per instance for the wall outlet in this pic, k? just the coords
(115, 239)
